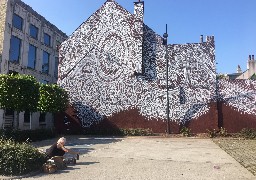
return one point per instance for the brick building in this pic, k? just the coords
(249, 73)
(114, 68)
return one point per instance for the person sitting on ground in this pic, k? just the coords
(58, 149)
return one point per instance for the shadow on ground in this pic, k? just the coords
(81, 144)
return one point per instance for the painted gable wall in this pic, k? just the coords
(98, 57)
(114, 68)
(99, 60)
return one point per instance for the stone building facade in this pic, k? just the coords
(249, 73)
(28, 45)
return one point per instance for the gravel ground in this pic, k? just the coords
(243, 151)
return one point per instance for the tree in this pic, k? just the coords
(19, 93)
(52, 98)
(24, 93)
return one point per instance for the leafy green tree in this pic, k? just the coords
(52, 98)
(19, 93)
(24, 93)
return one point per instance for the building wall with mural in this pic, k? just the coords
(114, 69)
(237, 104)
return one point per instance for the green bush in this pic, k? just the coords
(248, 133)
(137, 132)
(222, 132)
(185, 131)
(27, 135)
(212, 133)
(120, 132)
(19, 158)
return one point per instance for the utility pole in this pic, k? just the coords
(165, 36)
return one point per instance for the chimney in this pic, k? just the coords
(252, 57)
(210, 40)
(201, 39)
(138, 32)
(139, 10)
(239, 70)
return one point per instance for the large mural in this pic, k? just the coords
(109, 65)
(239, 94)
(114, 63)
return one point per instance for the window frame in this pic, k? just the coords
(47, 39)
(31, 34)
(56, 65)
(15, 49)
(30, 58)
(17, 21)
(44, 63)
(26, 117)
(42, 117)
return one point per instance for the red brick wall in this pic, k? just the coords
(218, 116)
(132, 119)
(233, 121)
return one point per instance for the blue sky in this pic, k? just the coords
(232, 22)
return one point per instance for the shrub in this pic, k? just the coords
(27, 135)
(223, 132)
(185, 131)
(248, 133)
(136, 132)
(212, 133)
(19, 158)
(120, 132)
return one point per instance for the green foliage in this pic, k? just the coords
(27, 135)
(19, 92)
(212, 133)
(19, 158)
(23, 92)
(52, 98)
(222, 132)
(248, 133)
(221, 76)
(120, 132)
(136, 132)
(185, 131)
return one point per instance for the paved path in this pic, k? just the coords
(148, 158)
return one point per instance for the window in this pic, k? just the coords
(32, 56)
(15, 46)
(44, 81)
(17, 21)
(27, 117)
(56, 67)
(42, 117)
(45, 65)
(33, 30)
(47, 39)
